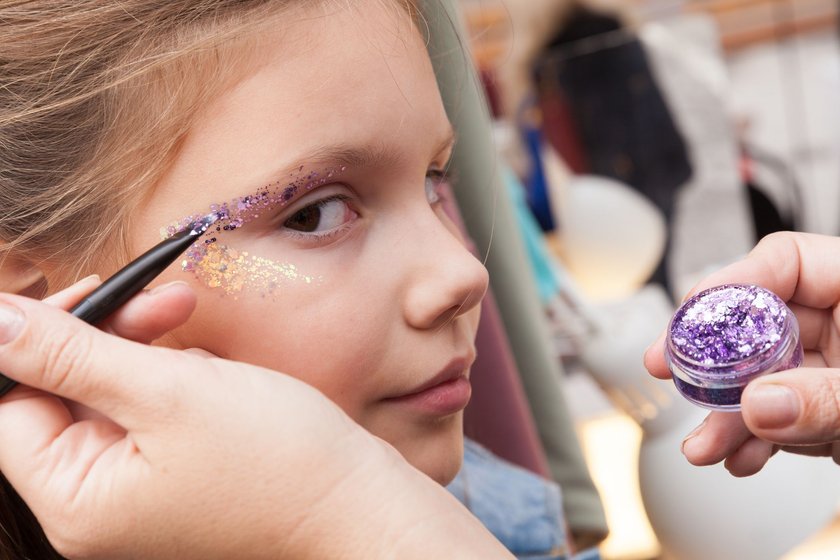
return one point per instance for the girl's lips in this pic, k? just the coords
(445, 398)
(446, 393)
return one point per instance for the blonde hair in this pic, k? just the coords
(95, 100)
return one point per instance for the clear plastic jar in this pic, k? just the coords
(724, 337)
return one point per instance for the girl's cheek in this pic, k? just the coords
(237, 272)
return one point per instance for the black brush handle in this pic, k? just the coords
(122, 286)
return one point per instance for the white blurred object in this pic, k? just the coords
(704, 512)
(612, 237)
(711, 223)
(613, 356)
(701, 513)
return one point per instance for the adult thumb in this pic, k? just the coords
(49, 349)
(795, 407)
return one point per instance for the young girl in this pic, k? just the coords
(315, 129)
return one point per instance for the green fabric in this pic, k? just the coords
(491, 223)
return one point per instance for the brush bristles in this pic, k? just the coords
(202, 225)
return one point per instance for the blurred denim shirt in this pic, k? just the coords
(522, 509)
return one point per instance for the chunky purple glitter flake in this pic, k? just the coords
(723, 337)
(728, 324)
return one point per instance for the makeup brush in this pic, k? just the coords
(132, 278)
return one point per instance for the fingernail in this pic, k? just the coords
(691, 434)
(164, 287)
(11, 323)
(773, 406)
(89, 278)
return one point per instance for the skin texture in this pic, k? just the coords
(398, 294)
(796, 411)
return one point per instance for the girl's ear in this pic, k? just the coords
(22, 277)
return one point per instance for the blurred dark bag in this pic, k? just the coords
(604, 112)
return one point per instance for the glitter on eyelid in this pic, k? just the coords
(239, 211)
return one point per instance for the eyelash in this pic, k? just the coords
(441, 180)
(320, 237)
(436, 182)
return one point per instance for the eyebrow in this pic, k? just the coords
(379, 155)
(340, 155)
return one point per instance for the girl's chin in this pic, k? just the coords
(445, 478)
(442, 463)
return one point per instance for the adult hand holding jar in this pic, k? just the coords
(795, 410)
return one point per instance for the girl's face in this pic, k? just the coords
(353, 280)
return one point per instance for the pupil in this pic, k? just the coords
(306, 220)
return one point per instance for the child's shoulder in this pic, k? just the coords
(522, 509)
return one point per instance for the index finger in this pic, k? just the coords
(51, 350)
(801, 268)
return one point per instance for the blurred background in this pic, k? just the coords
(651, 142)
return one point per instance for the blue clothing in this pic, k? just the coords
(543, 265)
(521, 509)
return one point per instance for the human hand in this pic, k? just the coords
(798, 410)
(172, 454)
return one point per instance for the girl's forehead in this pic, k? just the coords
(310, 29)
(327, 72)
(361, 90)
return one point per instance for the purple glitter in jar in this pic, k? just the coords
(724, 337)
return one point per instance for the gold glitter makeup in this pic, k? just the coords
(232, 270)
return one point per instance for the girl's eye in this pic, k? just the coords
(321, 217)
(436, 183)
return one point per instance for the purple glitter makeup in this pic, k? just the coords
(723, 337)
(220, 266)
(202, 225)
(239, 211)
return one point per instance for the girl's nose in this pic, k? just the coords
(447, 282)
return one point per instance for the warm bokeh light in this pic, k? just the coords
(825, 545)
(611, 447)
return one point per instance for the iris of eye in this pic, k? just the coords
(306, 220)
